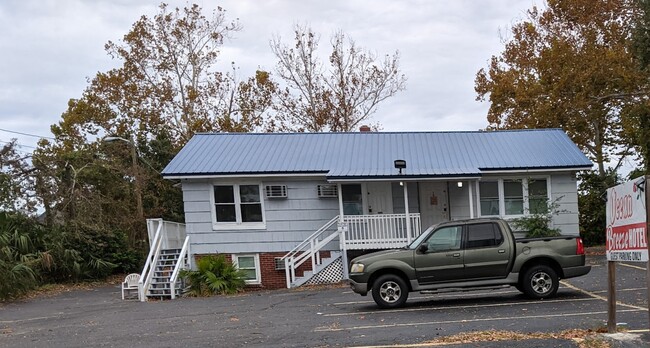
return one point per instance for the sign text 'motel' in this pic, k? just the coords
(626, 222)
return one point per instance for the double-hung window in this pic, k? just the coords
(238, 205)
(537, 196)
(489, 198)
(513, 197)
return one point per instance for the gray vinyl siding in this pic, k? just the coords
(289, 221)
(564, 191)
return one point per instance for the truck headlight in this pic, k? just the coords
(357, 268)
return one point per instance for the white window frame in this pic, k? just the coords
(238, 225)
(502, 204)
(258, 271)
(500, 195)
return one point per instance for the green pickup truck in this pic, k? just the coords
(468, 255)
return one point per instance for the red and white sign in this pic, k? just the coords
(626, 222)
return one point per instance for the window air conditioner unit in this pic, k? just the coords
(327, 191)
(276, 191)
(279, 264)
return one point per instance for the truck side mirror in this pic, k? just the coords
(423, 248)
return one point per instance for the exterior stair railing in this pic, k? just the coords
(355, 232)
(183, 263)
(152, 258)
(309, 249)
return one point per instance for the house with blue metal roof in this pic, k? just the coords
(289, 208)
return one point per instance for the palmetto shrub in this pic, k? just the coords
(19, 258)
(32, 254)
(214, 275)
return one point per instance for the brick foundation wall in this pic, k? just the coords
(272, 278)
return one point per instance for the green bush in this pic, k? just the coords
(592, 200)
(86, 253)
(31, 254)
(214, 275)
(17, 258)
(538, 224)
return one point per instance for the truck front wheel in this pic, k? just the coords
(540, 282)
(390, 291)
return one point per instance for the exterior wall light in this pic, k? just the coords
(400, 164)
(460, 184)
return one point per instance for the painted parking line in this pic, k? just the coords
(603, 298)
(442, 322)
(633, 266)
(619, 290)
(464, 294)
(419, 309)
(436, 296)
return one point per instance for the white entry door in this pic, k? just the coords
(379, 197)
(433, 203)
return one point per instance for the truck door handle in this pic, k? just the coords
(502, 251)
(453, 255)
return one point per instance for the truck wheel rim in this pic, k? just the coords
(390, 292)
(541, 282)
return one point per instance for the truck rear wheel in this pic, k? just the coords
(540, 281)
(390, 291)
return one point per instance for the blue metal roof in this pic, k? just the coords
(371, 154)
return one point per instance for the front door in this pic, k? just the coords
(443, 259)
(380, 197)
(433, 203)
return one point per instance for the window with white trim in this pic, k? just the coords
(250, 266)
(538, 196)
(489, 191)
(238, 204)
(513, 197)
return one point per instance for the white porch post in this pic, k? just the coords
(478, 193)
(406, 212)
(343, 228)
(471, 200)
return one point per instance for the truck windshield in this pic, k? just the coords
(417, 241)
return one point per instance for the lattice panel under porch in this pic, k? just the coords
(330, 275)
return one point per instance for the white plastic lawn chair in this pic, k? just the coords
(130, 283)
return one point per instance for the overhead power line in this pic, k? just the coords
(18, 144)
(26, 134)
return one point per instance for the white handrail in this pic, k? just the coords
(152, 259)
(312, 236)
(181, 263)
(313, 244)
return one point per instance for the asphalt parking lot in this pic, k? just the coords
(329, 317)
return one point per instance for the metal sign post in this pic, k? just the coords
(647, 238)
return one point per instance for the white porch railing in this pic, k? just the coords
(382, 231)
(355, 232)
(173, 233)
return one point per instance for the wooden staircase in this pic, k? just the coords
(335, 273)
(160, 286)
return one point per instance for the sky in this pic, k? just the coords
(51, 48)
